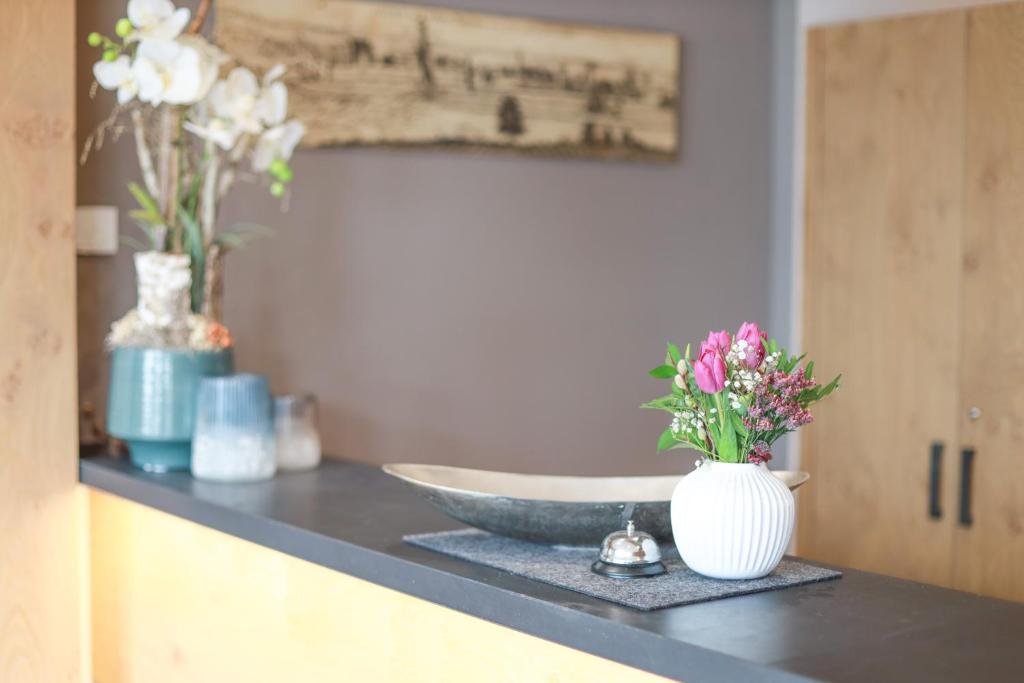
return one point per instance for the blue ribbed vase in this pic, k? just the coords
(152, 401)
(234, 437)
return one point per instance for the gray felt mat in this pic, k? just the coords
(570, 568)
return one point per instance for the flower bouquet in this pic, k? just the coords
(730, 517)
(200, 123)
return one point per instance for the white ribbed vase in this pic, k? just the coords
(732, 521)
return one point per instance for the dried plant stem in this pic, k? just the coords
(164, 159)
(227, 178)
(172, 204)
(209, 198)
(96, 138)
(213, 284)
(200, 16)
(170, 170)
(145, 157)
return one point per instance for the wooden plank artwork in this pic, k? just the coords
(374, 73)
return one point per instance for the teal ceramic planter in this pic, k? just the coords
(152, 402)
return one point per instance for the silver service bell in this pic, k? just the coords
(629, 554)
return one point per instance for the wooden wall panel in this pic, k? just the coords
(39, 508)
(990, 552)
(884, 189)
(174, 602)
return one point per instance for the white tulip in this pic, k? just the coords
(277, 143)
(117, 75)
(176, 72)
(156, 20)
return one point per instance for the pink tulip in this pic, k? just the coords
(753, 336)
(709, 369)
(717, 340)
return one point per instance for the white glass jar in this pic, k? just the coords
(298, 441)
(234, 434)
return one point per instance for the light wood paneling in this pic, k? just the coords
(174, 601)
(884, 215)
(39, 509)
(990, 553)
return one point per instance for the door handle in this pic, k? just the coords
(966, 470)
(934, 510)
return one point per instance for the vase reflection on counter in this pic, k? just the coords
(298, 441)
(234, 436)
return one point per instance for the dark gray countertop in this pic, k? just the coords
(351, 517)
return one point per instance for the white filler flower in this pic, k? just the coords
(156, 20)
(117, 75)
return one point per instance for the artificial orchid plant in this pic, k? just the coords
(737, 397)
(198, 126)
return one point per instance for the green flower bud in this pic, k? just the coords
(276, 165)
(94, 39)
(284, 173)
(123, 27)
(281, 170)
(110, 54)
(277, 189)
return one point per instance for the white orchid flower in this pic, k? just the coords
(277, 143)
(218, 131)
(117, 75)
(176, 72)
(240, 99)
(234, 99)
(272, 107)
(156, 20)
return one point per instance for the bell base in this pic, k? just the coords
(622, 571)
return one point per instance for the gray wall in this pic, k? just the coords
(495, 311)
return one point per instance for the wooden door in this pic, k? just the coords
(885, 108)
(990, 552)
(40, 507)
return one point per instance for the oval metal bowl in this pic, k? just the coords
(551, 509)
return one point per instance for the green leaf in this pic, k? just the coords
(147, 217)
(197, 252)
(726, 442)
(666, 403)
(673, 353)
(809, 370)
(145, 200)
(737, 424)
(829, 388)
(667, 440)
(788, 364)
(130, 241)
(663, 372)
(241, 234)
